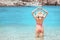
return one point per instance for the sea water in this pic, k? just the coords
(17, 23)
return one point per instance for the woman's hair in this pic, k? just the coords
(39, 14)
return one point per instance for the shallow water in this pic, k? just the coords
(28, 33)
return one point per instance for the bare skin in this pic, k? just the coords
(39, 21)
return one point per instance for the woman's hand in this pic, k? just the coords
(39, 8)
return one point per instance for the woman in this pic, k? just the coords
(39, 17)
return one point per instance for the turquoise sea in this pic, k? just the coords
(17, 23)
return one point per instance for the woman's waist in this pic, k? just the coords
(38, 24)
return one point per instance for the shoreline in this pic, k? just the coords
(28, 6)
(17, 4)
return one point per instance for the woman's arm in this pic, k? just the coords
(34, 12)
(33, 15)
(45, 12)
(39, 8)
